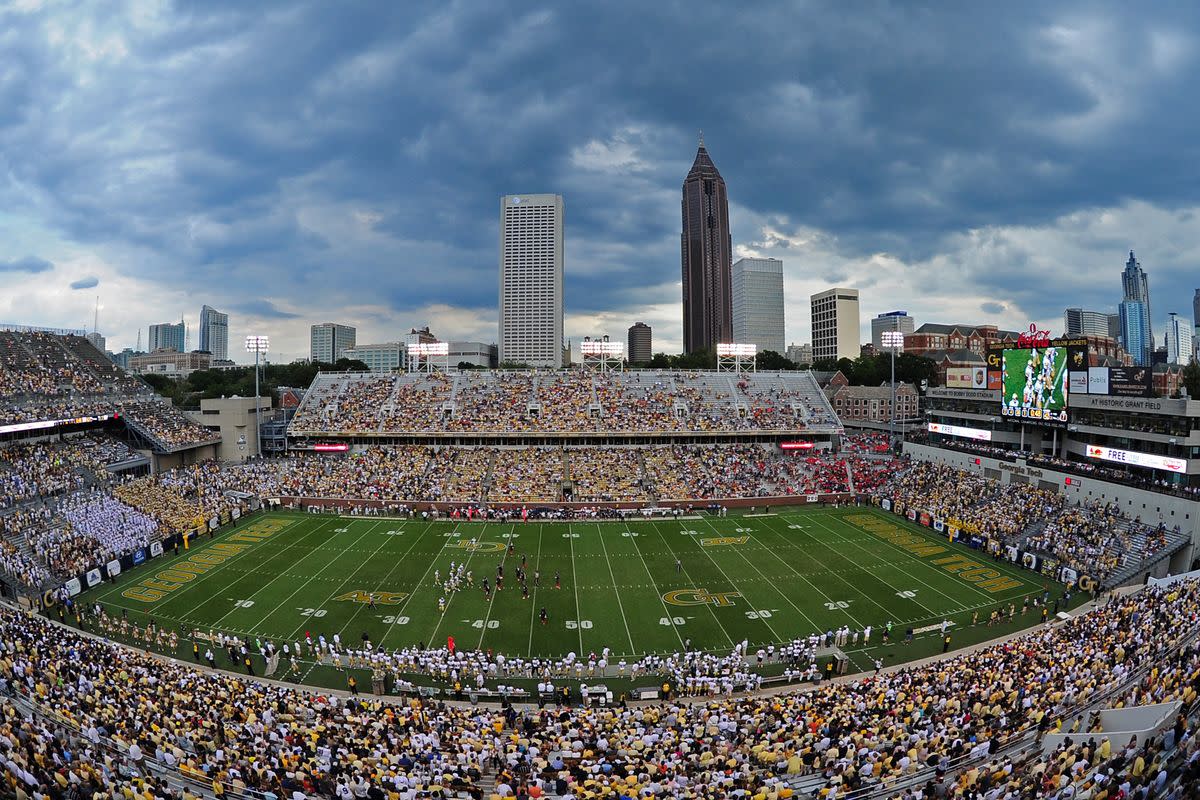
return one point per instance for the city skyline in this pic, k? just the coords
(284, 206)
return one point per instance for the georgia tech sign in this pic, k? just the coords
(699, 597)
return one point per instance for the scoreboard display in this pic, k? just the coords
(1034, 384)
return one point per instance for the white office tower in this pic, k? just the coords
(1179, 340)
(758, 303)
(531, 279)
(835, 324)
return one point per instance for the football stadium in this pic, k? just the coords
(579, 582)
(623, 401)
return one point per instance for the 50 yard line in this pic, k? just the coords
(620, 605)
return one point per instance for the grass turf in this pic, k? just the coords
(637, 587)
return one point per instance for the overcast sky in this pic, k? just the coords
(290, 164)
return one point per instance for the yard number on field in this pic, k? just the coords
(572, 624)
(312, 612)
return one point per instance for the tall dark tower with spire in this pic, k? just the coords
(706, 252)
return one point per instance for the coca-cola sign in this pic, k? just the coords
(1033, 337)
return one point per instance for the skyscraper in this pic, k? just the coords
(531, 279)
(1134, 324)
(835, 324)
(1196, 321)
(328, 341)
(639, 344)
(168, 336)
(1136, 289)
(706, 252)
(214, 333)
(758, 303)
(1080, 322)
(1179, 340)
(890, 321)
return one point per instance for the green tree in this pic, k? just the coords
(771, 360)
(660, 361)
(866, 371)
(1191, 379)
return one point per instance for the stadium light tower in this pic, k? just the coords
(893, 340)
(257, 345)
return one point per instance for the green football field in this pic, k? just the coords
(637, 587)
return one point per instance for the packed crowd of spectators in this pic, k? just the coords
(526, 475)
(563, 402)
(41, 469)
(600, 474)
(702, 472)
(167, 424)
(160, 500)
(1093, 538)
(979, 504)
(48, 376)
(235, 733)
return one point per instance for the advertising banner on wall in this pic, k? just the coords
(1130, 381)
(960, 378)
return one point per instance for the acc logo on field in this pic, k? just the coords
(699, 597)
(382, 598)
(478, 547)
(719, 540)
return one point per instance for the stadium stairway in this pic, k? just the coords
(1139, 563)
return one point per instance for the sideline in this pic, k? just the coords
(532, 704)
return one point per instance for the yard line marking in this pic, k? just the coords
(802, 577)
(613, 575)
(183, 556)
(658, 591)
(386, 578)
(420, 582)
(328, 564)
(956, 601)
(773, 585)
(725, 575)
(927, 566)
(712, 613)
(450, 602)
(537, 569)
(575, 586)
(216, 624)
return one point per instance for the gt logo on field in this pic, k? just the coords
(477, 547)
(699, 597)
(720, 540)
(380, 598)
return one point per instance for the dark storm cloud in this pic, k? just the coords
(86, 283)
(263, 309)
(334, 155)
(30, 264)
